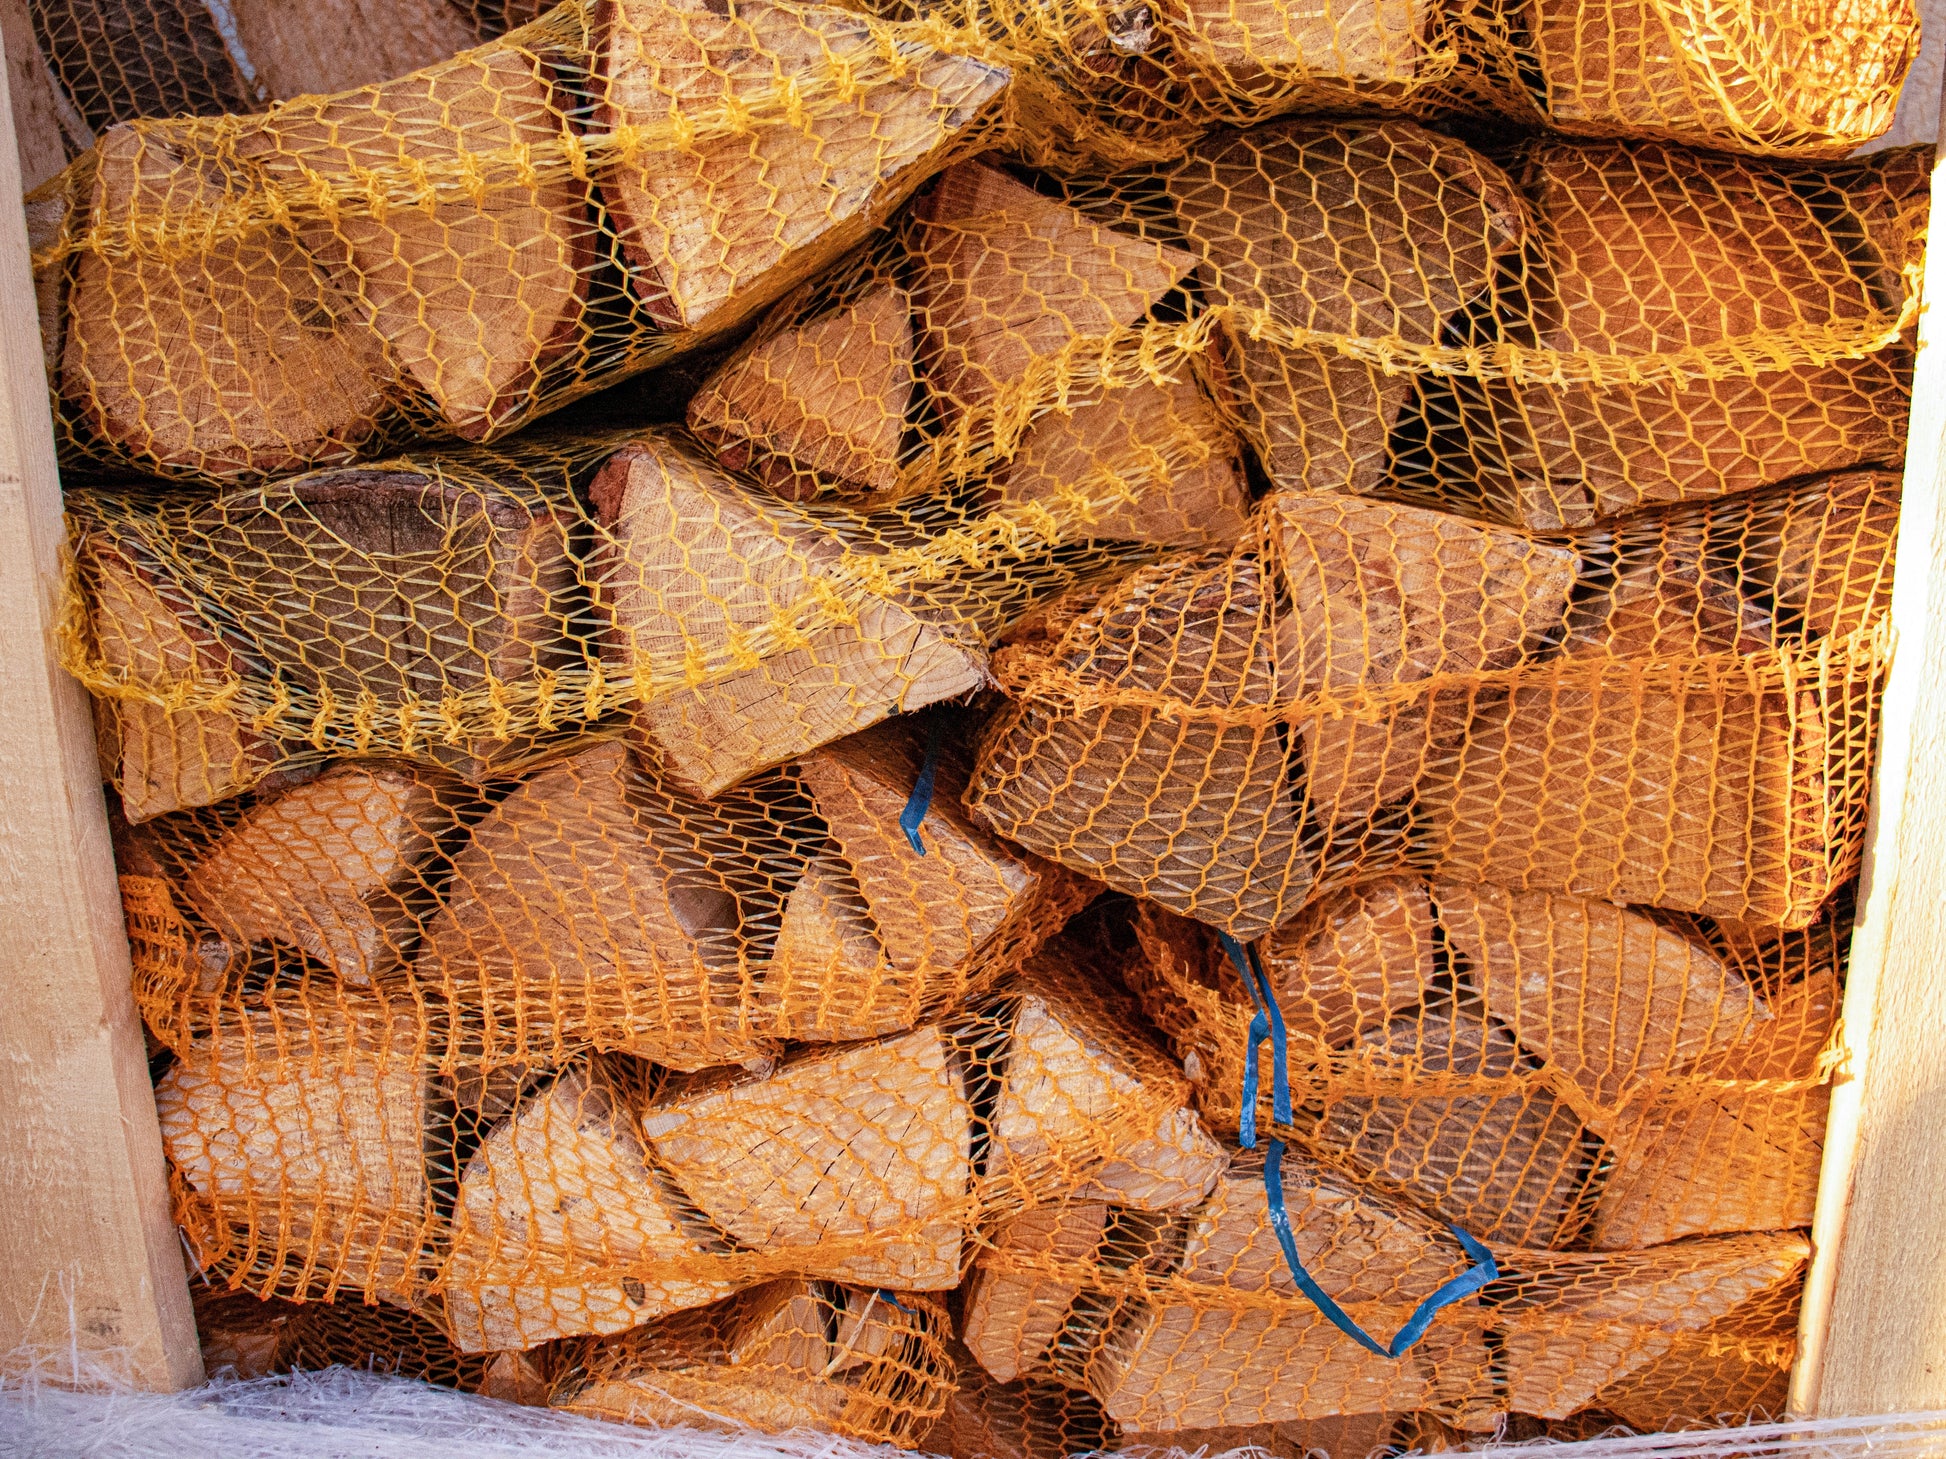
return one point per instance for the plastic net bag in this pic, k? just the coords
(1674, 715)
(455, 251)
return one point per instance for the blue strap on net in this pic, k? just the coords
(1268, 1022)
(920, 800)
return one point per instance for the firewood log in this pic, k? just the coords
(1195, 814)
(1341, 41)
(1144, 463)
(476, 290)
(821, 403)
(1007, 277)
(877, 936)
(857, 1159)
(716, 227)
(791, 1354)
(1825, 552)
(1717, 801)
(300, 49)
(1653, 250)
(1584, 1322)
(1384, 594)
(587, 908)
(241, 1333)
(306, 1148)
(1015, 1303)
(1612, 1001)
(693, 564)
(163, 759)
(227, 358)
(1737, 1367)
(398, 580)
(1352, 960)
(1734, 81)
(558, 1201)
(1089, 1107)
(1701, 1161)
(1183, 1363)
(329, 867)
(1023, 1419)
(1490, 1148)
(1380, 231)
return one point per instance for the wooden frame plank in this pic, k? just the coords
(1872, 1338)
(90, 1262)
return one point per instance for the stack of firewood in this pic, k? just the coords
(1178, 774)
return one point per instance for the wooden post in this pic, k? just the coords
(91, 1270)
(1873, 1335)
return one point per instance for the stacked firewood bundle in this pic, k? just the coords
(1181, 773)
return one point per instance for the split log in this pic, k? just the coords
(877, 936)
(301, 48)
(1182, 1362)
(477, 289)
(161, 760)
(396, 580)
(1667, 598)
(1375, 230)
(857, 1160)
(1489, 1147)
(717, 227)
(1143, 463)
(310, 1155)
(225, 358)
(1384, 594)
(1612, 1001)
(1089, 1107)
(1342, 41)
(1195, 814)
(694, 565)
(1654, 250)
(1582, 1323)
(331, 867)
(1351, 962)
(1008, 277)
(820, 404)
(792, 1354)
(1718, 801)
(587, 909)
(1189, 1367)
(1734, 1370)
(1024, 1419)
(1732, 81)
(562, 1227)
(242, 1334)
(1826, 551)
(1705, 1160)
(1017, 1299)
(516, 1378)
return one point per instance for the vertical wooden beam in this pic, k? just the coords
(90, 1262)
(1873, 1334)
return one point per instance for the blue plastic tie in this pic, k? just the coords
(888, 1296)
(1268, 1021)
(920, 801)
